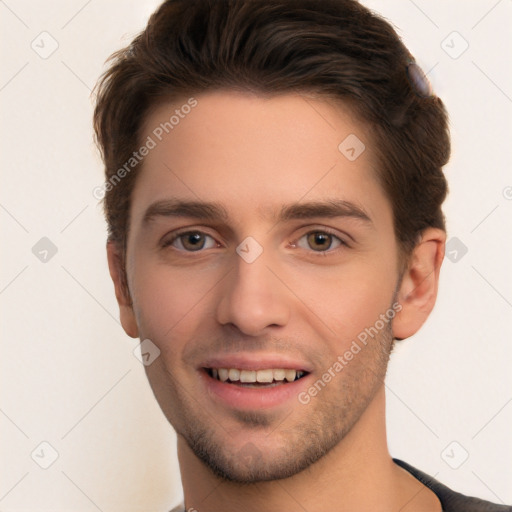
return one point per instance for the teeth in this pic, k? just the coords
(279, 374)
(265, 375)
(289, 375)
(247, 376)
(234, 374)
(251, 376)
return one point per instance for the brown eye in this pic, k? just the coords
(319, 241)
(192, 241)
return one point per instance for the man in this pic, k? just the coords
(273, 195)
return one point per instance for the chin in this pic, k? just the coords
(261, 459)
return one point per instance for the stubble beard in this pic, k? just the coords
(319, 426)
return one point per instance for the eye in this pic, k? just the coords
(319, 241)
(191, 241)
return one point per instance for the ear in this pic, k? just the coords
(418, 290)
(118, 274)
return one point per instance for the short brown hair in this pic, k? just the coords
(335, 48)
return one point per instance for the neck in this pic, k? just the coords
(358, 474)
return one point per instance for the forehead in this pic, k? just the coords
(247, 150)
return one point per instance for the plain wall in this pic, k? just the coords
(69, 376)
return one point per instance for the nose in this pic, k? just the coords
(253, 299)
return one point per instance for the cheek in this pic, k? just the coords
(356, 311)
(345, 301)
(170, 305)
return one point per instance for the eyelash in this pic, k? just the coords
(325, 231)
(179, 234)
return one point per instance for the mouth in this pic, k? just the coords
(264, 378)
(249, 382)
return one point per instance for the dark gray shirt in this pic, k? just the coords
(451, 501)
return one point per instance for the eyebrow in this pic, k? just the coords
(216, 212)
(330, 208)
(178, 208)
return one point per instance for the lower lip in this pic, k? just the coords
(254, 398)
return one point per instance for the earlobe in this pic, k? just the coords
(418, 289)
(118, 275)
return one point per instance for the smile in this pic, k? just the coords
(253, 389)
(268, 377)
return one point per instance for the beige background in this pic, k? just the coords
(68, 373)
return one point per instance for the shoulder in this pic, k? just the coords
(450, 500)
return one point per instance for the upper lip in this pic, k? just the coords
(255, 362)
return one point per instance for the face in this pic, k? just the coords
(258, 251)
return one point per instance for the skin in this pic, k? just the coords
(304, 297)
